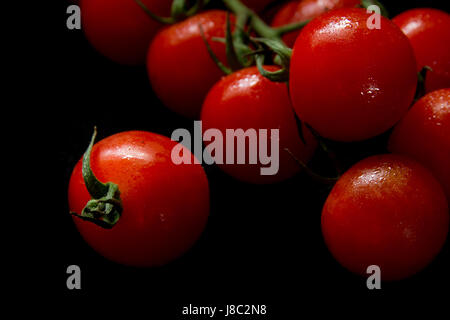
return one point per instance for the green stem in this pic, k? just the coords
(163, 20)
(281, 30)
(269, 36)
(95, 188)
(256, 22)
(178, 9)
(105, 207)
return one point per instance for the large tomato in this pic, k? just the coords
(350, 82)
(120, 29)
(247, 100)
(298, 11)
(388, 211)
(424, 134)
(429, 33)
(165, 206)
(179, 66)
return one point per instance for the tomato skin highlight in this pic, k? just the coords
(247, 100)
(348, 82)
(424, 134)
(120, 29)
(165, 206)
(429, 32)
(389, 211)
(298, 11)
(179, 67)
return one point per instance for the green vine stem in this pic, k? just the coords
(268, 41)
(256, 22)
(105, 207)
(281, 30)
(179, 10)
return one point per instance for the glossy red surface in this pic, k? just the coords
(298, 11)
(120, 29)
(350, 82)
(165, 206)
(388, 211)
(424, 134)
(429, 33)
(247, 100)
(180, 68)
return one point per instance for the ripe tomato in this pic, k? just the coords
(247, 100)
(165, 206)
(350, 82)
(179, 66)
(298, 11)
(120, 29)
(424, 134)
(389, 211)
(429, 33)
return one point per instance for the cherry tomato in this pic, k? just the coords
(165, 206)
(429, 33)
(120, 29)
(179, 66)
(247, 100)
(350, 82)
(388, 211)
(424, 134)
(298, 11)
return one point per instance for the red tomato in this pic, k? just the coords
(350, 82)
(247, 100)
(298, 11)
(424, 134)
(429, 33)
(257, 5)
(165, 206)
(120, 29)
(388, 211)
(179, 66)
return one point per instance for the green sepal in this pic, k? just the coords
(105, 207)
(284, 55)
(232, 57)
(211, 53)
(281, 75)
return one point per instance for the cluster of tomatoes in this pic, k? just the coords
(346, 82)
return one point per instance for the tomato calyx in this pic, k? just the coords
(283, 58)
(105, 207)
(232, 45)
(243, 50)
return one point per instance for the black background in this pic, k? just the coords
(262, 245)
